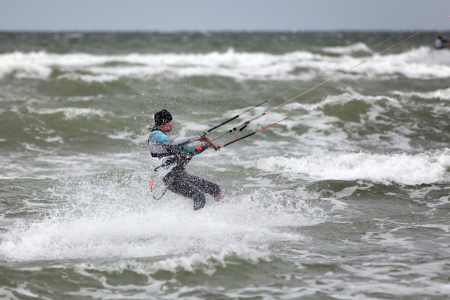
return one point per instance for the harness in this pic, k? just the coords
(179, 156)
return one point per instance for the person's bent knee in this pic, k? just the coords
(199, 200)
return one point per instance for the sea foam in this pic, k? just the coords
(116, 216)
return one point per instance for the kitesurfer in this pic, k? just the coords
(440, 43)
(170, 157)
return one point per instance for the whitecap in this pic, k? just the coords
(297, 65)
(425, 168)
(351, 49)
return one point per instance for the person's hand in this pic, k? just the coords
(212, 145)
(203, 138)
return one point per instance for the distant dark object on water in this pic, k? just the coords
(440, 43)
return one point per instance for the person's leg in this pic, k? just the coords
(205, 186)
(179, 182)
(193, 187)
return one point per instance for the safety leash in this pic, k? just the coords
(152, 181)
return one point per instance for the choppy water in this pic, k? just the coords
(348, 200)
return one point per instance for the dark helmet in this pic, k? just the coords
(162, 117)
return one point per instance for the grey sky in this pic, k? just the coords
(175, 15)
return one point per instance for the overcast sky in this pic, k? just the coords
(213, 15)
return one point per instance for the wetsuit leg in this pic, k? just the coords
(191, 186)
(204, 185)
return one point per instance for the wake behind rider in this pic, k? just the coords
(170, 157)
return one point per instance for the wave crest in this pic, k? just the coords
(424, 168)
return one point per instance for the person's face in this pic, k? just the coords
(167, 127)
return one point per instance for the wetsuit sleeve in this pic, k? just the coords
(161, 138)
(194, 150)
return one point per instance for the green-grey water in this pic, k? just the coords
(347, 200)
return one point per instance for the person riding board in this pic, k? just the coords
(170, 157)
(440, 43)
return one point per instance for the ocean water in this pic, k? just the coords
(347, 199)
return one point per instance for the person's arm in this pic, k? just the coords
(161, 138)
(181, 143)
(199, 149)
(194, 150)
